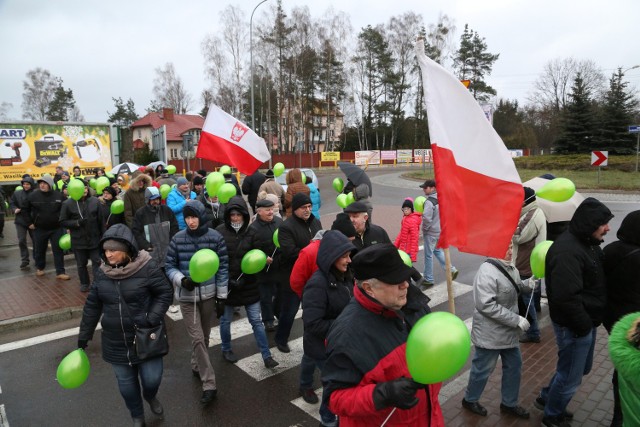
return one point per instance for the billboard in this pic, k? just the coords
(367, 157)
(36, 148)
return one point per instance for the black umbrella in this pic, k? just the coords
(356, 175)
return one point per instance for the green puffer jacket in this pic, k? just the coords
(626, 359)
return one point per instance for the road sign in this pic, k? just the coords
(634, 129)
(599, 158)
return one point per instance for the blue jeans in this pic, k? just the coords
(253, 315)
(41, 239)
(575, 358)
(150, 373)
(430, 251)
(529, 301)
(267, 292)
(483, 364)
(289, 304)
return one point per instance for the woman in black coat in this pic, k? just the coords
(129, 289)
(243, 288)
(325, 295)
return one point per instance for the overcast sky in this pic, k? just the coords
(105, 49)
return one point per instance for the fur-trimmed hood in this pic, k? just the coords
(139, 182)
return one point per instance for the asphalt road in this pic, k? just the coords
(249, 394)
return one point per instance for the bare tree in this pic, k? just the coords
(552, 87)
(440, 39)
(39, 91)
(5, 107)
(401, 33)
(235, 41)
(169, 90)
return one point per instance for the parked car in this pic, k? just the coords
(282, 179)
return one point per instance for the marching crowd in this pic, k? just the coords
(359, 298)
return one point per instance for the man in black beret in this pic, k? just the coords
(294, 234)
(365, 375)
(367, 234)
(265, 225)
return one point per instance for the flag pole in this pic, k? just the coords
(447, 260)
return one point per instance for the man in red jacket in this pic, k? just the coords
(366, 379)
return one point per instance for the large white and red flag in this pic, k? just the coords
(479, 190)
(227, 140)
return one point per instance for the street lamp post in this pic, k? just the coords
(253, 114)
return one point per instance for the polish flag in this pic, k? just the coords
(227, 140)
(479, 190)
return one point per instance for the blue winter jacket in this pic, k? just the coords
(176, 201)
(316, 202)
(183, 246)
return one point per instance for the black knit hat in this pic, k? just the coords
(299, 199)
(529, 195)
(198, 180)
(343, 224)
(381, 261)
(109, 189)
(408, 203)
(190, 210)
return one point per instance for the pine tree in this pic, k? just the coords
(578, 126)
(61, 105)
(618, 111)
(474, 63)
(124, 114)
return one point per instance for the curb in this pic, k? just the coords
(40, 319)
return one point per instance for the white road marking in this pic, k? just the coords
(254, 366)
(40, 339)
(4, 422)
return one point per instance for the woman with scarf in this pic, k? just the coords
(129, 289)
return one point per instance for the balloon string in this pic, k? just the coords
(274, 252)
(529, 305)
(239, 276)
(79, 212)
(389, 416)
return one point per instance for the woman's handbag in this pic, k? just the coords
(149, 342)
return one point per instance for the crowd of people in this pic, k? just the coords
(359, 298)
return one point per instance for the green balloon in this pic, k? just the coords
(171, 169)
(19, 188)
(75, 189)
(92, 183)
(275, 238)
(537, 258)
(165, 189)
(253, 261)
(102, 183)
(203, 265)
(225, 170)
(117, 207)
(557, 190)
(278, 169)
(65, 242)
(338, 185)
(226, 192)
(214, 181)
(341, 200)
(350, 198)
(438, 346)
(405, 258)
(74, 369)
(109, 175)
(418, 204)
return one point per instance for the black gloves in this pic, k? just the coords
(189, 284)
(82, 222)
(83, 344)
(219, 307)
(400, 393)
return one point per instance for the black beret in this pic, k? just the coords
(356, 207)
(381, 261)
(264, 203)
